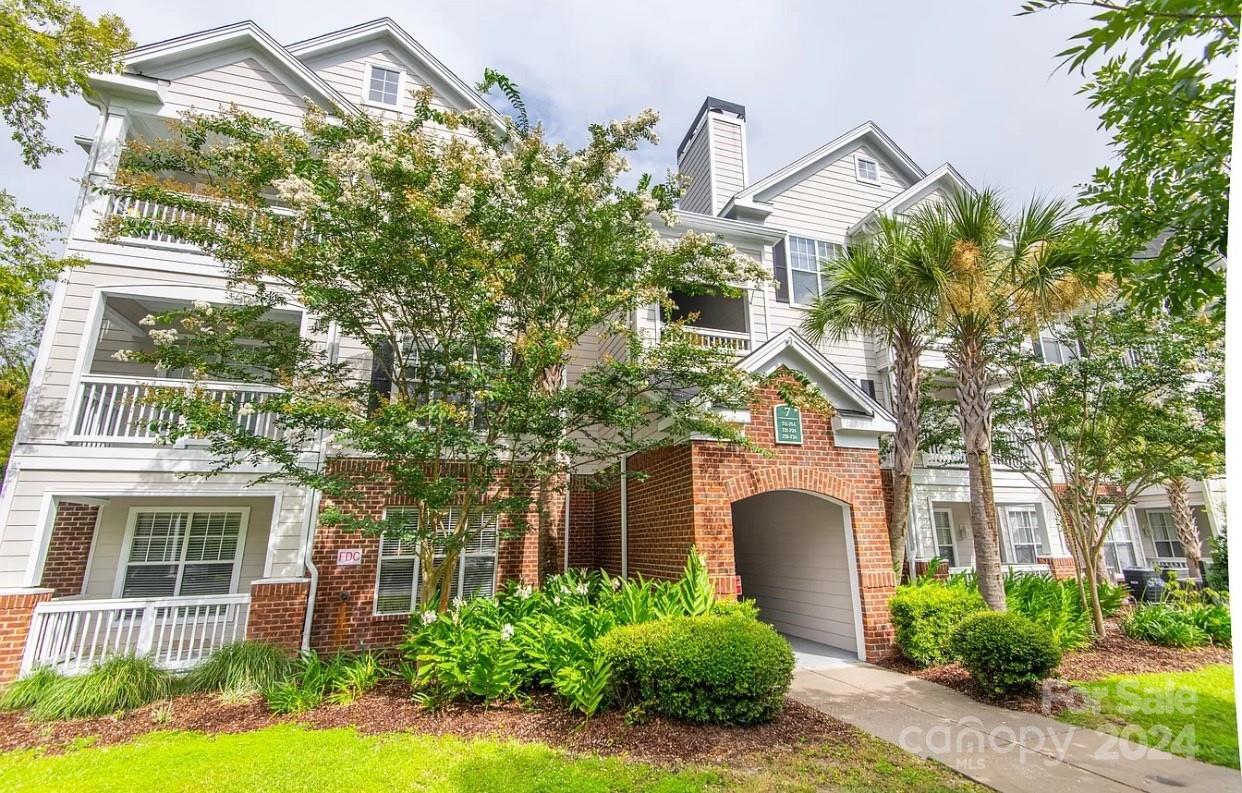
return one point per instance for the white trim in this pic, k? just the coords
(366, 86)
(131, 520)
(859, 159)
(272, 535)
(952, 533)
(90, 554)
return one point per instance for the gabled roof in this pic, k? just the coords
(866, 132)
(850, 399)
(385, 29)
(151, 57)
(945, 178)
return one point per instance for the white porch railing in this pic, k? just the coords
(118, 409)
(735, 341)
(128, 206)
(1171, 563)
(176, 633)
(937, 457)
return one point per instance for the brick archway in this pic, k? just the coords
(789, 477)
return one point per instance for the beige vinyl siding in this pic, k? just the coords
(247, 83)
(727, 165)
(695, 165)
(349, 77)
(113, 520)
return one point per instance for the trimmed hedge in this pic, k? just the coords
(717, 670)
(1004, 652)
(924, 618)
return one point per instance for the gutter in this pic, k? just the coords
(625, 519)
(312, 513)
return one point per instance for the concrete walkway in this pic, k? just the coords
(1004, 749)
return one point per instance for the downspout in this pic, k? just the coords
(312, 513)
(569, 497)
(625, 520)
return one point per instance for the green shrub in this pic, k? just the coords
(736, 608)
(314, 681)
(1004, 652)
(1054, 604)
(26, 691)
(1111, 596)
(1165, 624)
(116, 685)
(925, 615)
(719, 670)
(1218, 571)
(1214, 620)
(240, 668)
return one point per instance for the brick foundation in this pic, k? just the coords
(16, 610)
(69, 549)
(1061, 566)
(942, 571)
(278, 612)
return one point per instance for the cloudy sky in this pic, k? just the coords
(950, 80)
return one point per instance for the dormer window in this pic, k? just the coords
(383, 86)
(866, 169)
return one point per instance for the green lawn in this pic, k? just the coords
(1186, 713)
(291, 758)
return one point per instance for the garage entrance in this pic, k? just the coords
(795, 556)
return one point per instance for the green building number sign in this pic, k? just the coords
(788, 424)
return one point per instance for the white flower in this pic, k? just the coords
(202, 306)
(163, 335)
(582, 588)
(523, 592)
(556, 600)
(506, 632)
(246, 410)
(147, 321)
(428, 617)
(124, 356)
(616, 583)
(458, 602)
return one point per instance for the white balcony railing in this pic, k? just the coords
(128, 206)
(119, 409)
(937, 457)
(735, 341)
(71, 636)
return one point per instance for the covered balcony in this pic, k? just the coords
(716, 320)
(168, 579)
(112, 403)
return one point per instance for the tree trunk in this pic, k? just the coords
(907, 378)
(548, 528)
(1184, 521)
(974, 408)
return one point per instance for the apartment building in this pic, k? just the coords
(112, 543)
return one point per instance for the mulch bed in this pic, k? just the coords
(1113, 654)
(389, 709)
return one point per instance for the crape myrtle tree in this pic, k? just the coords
(990, 269)
(1138, 400)
(467, 260)
(1161, 74)
(877, 287)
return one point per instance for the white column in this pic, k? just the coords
(104, 159)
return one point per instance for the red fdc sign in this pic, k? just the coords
(348, 556)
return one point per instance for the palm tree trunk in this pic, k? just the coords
(907, 379)
(1184, 521)
(974, 406)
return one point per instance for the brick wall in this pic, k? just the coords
(278, 612)
(69, 549)
(1060, 566)
(581, 522)
(16, 610)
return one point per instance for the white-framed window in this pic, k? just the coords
(942, 520)
(866, 169)
(397, 579)
(171, 552)
(383, 86)
(1024, 531)
(1051, 350)
(1164, 534)
(1119, 546)
(805, 258)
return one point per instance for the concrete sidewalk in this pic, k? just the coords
(1004, 749)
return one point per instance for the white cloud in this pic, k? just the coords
(964, 82)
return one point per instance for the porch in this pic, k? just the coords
(165, 578)
(945, 532)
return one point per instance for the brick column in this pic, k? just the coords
(69, 549)
(278, 612)
(16, 610)
(1059, 566)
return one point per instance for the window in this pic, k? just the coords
(1051, 350)
(866, 169)
(398, 577)
(869, 387)
(1024, 534)
(1119, 546)
(384, 86)
(943, 521)
(183, 552)
(1164, 533)
(805, 256)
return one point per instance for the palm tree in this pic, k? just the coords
(874, 287)
(992, 270)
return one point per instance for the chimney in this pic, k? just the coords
(712, 156)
